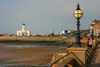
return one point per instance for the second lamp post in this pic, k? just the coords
(78, 14)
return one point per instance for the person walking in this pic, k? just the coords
(90, 43)
(87, 43)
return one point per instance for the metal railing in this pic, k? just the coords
(59, 60)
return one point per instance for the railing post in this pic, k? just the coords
(63, 60)
(55, 56)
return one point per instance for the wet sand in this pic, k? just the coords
(27, 56)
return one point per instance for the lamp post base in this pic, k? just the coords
(77, 45)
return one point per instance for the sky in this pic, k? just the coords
(44, 16)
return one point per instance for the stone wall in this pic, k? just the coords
(31, 38)
(81, 56)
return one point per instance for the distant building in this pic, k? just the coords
(65, 32)
(96, 27)
(23, 32)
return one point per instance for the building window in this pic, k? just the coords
(19, 33)
(26, 34)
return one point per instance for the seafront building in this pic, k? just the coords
(23, 32)
(95, 27)
(65, 32)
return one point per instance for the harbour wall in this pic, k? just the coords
(32, 38)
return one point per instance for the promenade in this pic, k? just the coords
(95, 60)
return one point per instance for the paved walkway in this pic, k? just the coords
(95, 60)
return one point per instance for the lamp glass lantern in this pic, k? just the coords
(78, 12)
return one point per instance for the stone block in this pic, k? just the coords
(80, 54)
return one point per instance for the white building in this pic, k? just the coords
(23, 32)
(65, 31)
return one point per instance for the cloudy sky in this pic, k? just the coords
(44, 16)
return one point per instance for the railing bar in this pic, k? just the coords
(59, 59)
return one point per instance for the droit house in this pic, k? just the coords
(23, 32)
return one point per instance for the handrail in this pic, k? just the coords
(59, 59)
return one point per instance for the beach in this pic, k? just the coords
(29, 53)
(31, 56)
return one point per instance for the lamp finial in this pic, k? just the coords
(78, 7)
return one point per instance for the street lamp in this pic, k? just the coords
(78, 14)
(92, 31)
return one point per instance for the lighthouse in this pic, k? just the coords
(23, 32)
(23, 27)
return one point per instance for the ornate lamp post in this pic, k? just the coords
(78, 14)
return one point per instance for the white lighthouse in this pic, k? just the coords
(23, 27)
(23, 32)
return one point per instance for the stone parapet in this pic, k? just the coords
(80, 54)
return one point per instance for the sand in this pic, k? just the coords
(27, 56)
(35, 56)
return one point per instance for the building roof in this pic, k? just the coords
(96, 26)
(97, 21)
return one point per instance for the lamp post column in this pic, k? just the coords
(78, 43)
